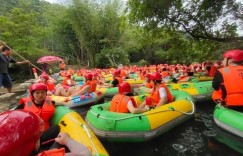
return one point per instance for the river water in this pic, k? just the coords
(198, 136)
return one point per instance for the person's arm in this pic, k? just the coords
(163, 97)
(18, 63)
(217, 80)
(134, 110)
(76, 148)
(82, 91)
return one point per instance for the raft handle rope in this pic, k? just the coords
(140, 115)
(87, 132)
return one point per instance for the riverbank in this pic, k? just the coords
(9, 100)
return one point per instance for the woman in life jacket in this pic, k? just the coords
(228, 81)
(160, 93)
(20, 133)
(147, 83)
(39, 103)
(123, 102)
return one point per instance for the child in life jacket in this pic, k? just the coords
(20, 133)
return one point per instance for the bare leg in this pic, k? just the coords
(9, 90)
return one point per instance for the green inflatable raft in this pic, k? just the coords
(127, 127)
(229, 120)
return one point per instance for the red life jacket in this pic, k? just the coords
(45, 113)
(53, 152)
(233, 84)
(155, 94)
(119, 103)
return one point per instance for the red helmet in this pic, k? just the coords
(19, 132)
(156, 76)
(37, 86)
(236, 55)
(68, 75)
(88, 76)
(148, 75)
(45, 76)
(124, 88)
(116, 72)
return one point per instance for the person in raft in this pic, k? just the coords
(116, 80)
(88, 87)
(160, 93)
(20, 133)
(228, 81)
(124, 103)
(44, 78)
(41, 105)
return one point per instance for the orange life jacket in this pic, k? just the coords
(45, 112)
(155, 94)
(119, 79)
(165, 74)
(92, 84)
(119, 103)
(64, 82)
(53, 152)
(123, 73)
(212, 71)
(149, 85)
(50, 86)
(234, 93)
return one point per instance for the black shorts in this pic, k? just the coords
(5, 80)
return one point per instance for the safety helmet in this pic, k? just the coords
(37, 86)
(19, 132)
(148, 76)
(68, 75)
(124, 88)
(116, 72)
(236, 55)
(88, 76)
(156, 76)
(95, 74)
(45, 76)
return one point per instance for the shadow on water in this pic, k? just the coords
(197, 136)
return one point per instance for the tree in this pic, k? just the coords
(201, 19)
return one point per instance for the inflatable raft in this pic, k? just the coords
(81, 100)
(126, 127)
(73, 124)
(108, 92)
(199, 90)
(228, 119)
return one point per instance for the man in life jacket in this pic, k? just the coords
(124, 103)
(20, 133)
(42, 106)
(62, 65)
(160, 93)
(228, 81)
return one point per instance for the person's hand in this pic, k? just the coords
(147, 108)
(26, 62)
(62, 138)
